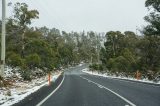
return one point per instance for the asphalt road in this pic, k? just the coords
(80, 89)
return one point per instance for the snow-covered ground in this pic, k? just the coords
(80, 64)
(21, 89)
(86, 70)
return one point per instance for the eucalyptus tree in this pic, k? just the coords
(23, 17)
(150, 57)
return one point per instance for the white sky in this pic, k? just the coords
(96, 15)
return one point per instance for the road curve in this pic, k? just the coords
(76, 91)
(80, 89)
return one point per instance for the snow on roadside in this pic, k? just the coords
(86, 70)
(20, 90)
(10, 72)
(80, 64)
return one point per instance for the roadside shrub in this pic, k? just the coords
(97, 67)
(14, 59)
(26, 75)
(118, 64)
(32, 60)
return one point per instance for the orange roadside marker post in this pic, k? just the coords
(138, 75)
(49, 78)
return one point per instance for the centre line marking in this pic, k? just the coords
(123, 98)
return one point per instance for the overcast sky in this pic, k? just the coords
(96, 15)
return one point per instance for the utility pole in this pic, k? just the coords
(3, 38)
(98, 50)
(136, 30)
(91, 62)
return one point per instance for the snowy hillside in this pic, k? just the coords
(21, 89)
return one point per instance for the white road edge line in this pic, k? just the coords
(130, 81)
(137, 82)
(40, 103)
(126, 100)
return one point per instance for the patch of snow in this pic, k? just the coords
(86, 70)
(55, 77)
(10, 72)
(20, 90)
(80, 64)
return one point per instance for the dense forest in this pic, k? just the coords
(40, 48)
